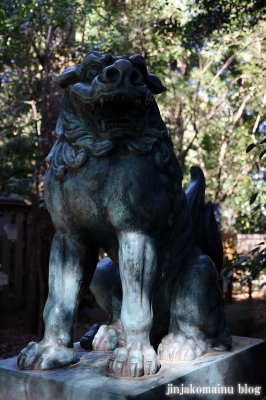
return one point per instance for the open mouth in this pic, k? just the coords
(104, 101)
(117, 123)
(119, 113)
(112, 113)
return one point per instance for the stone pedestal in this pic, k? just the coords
(241, 371)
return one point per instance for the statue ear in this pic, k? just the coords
(151, 81)
(154, 84)
(66, 78)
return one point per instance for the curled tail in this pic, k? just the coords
(204, 224)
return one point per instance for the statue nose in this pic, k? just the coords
(122, 73)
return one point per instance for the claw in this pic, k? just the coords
(30, 344)
(190, 355)
(119, 368)
(181, 348)
(168, 339)
(133, 363)
(106, 339)
(183, 354)
(38, 356)
(95, 344)
(160, 352)
(39, 363)
(109, 366)
(148, 368)
(22, 360)
(133, 370)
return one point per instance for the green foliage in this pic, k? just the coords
(36, 41)
(209, 54)
(246, 268)
(210, 18)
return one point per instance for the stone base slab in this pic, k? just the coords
(242, 370)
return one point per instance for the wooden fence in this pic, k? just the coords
(238, 243)
(14, 247)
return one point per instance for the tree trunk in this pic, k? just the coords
(41, 228)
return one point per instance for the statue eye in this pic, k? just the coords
(92, 72)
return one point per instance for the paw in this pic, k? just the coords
(133, 363)
(39, 356)
(179, 347)
(106, 339)
(87, 339)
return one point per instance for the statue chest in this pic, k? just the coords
(111, 193)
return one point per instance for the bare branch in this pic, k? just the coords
(226, 140)
(33, 106)
(256, 123)
(226, 64)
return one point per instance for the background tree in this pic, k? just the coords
(211, 57)
(37, 42)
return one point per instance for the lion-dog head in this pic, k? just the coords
(108, 103)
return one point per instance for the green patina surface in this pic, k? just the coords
(114, 183)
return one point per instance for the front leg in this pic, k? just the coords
(138, 263)
(69, 255)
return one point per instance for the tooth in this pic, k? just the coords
(138, 102)
(103, 125)
(93, 106)
(101, 102)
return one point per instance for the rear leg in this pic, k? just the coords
(197, 315)
(107, 290)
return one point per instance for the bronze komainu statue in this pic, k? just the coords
(114, 183)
